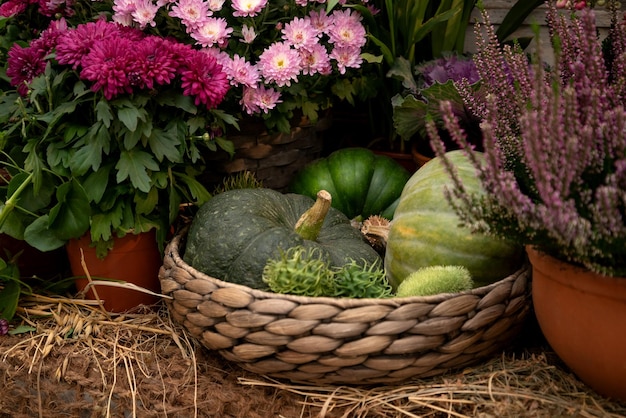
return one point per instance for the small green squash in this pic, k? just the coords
(426, 231)
(362, 183)
(235, 233)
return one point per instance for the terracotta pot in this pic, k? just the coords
(134, 259)
(404, 159)
(419, 158)
(582, 316)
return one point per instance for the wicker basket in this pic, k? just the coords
(341, 340)
(273, 158)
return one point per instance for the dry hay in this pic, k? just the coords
(84, 362)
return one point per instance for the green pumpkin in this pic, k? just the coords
(426, 232)
(235, 233)
(362, 183)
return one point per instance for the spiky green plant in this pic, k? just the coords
(433, 280)
(355, 280)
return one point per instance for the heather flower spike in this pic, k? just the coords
(555, 154)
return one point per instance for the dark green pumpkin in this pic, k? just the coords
(362, 183)
(426, 231)
(235, 233)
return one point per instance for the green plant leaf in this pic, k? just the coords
(515, 17)
(134, 165)
(96, 183)
(9, 298)
(22, 329)
(69, 218)
(38, 235)
(402, 70)
(197, 190)
(129, 116)
(146, 203)
(164, 144)
(408, 115)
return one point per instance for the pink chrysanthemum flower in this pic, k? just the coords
(108, 66)
(279, 63)
(157, 61)
(144, 13)
(55, 7)
(315, 60)
(213, 31)
(320, 21)
(24, 64)
(241, 72)
(248, 34)
(204, 79)
(259, 99)
(347, 30)
(123, 12)
(74, 45)
(346, 57)
(216, 5)
(245, 8)
(192, 13)
(299, 33)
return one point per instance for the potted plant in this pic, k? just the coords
(555, 181)
(404, 34)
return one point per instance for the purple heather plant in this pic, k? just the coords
(554, 166)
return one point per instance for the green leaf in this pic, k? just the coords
(129, 116)
(197, 190)
(226, 144)
(22, 329)
(96, 183)
(146, 203)
(9, 298)
(134, 165)
(104, 113)
(403, 71)
(408, 116)
(38, 235)
(88, 156)
(164, 144)
(515, 17)
(69, 218)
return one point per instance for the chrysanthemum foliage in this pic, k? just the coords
(555, 145)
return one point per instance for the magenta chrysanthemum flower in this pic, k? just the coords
(245, 8)
(299, 33)
(212, 31)
(204, 79)
(24, 64)
(13, 7)
(157, 61)
(192, 13)
(347, 30)
(75, 44)
(110, 66)
(280, 64)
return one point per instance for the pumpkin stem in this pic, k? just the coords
(376, 231)
(310, 223)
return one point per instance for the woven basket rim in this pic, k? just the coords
(178, 242)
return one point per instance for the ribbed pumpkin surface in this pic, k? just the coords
(234, 234)
(426, 230)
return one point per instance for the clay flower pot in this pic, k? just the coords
(582, 316)
(134, 259)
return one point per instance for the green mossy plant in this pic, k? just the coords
(433, 280)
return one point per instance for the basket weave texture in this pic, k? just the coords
(272, 158)
(323, 340)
